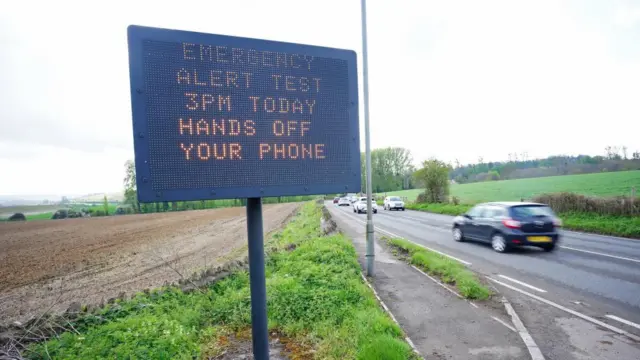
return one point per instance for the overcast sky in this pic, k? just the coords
(451, 79)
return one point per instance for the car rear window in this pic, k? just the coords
(527, 211)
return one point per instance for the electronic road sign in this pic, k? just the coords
(228, 117)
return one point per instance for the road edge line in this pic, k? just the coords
(624, 321)
(601, 254)
(615, 237)
(504, 323)
(522, 283)
(531, 345)
(463, 262)
(386, 309)
(439, 282)
(570, 311)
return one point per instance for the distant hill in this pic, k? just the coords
(598, 184)
(33, 200)
(538, 168)
(95, 197)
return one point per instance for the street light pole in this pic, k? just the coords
(370, 255)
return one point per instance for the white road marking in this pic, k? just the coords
(505, 324)
(608, 237)
(439, 282)
(533, 348)
(523, 283)
(460, 296)
(421, 221)
(398, 236)
(384, 306)
(623, 321)
(601, 254)
(570, 311)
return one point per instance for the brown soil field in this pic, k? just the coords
(51, 263)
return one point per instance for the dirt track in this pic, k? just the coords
(43, 263)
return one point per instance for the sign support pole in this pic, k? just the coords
(260, 334)
(370, 255)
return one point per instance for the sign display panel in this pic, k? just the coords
(226, 117)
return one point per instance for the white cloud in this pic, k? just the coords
(450, 79)
(506, 77)
(627, 13)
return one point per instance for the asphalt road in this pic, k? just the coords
(597, 276)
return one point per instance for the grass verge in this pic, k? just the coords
(316, 297)
(626, 226)
(447, 209)
(449, 271)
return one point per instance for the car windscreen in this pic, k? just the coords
(529, 211)
(394, 198)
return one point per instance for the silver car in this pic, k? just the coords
(360, 206)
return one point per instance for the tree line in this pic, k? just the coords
(391, 169)
(520, 166)
(131, 198)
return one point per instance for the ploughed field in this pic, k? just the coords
(51, 264)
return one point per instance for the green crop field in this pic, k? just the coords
(44, 212)
(600, 184)
(26, 209)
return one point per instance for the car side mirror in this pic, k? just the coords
(467, 216)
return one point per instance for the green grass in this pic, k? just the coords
(40, 216)
(627, 226)
(26, 208)
(600, 184)
(315, 296)
(603, 224)
(43, 216)
(447, 209)
(448, 270)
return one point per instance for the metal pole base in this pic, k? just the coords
(257, 280)
(370, 255)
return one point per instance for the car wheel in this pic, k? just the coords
(498, 243)
(457, 234)
(549, 248)
(402, 209)
(354, 209)
(375, 211)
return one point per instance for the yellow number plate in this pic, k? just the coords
(539, 239)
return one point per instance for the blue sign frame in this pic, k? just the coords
(148, 188)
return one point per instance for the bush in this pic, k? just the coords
(17, 217)
(434, 174)
(422, 198)
(570, 202)
(97, 212)
(60, 214)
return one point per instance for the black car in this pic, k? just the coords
(509, 224)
